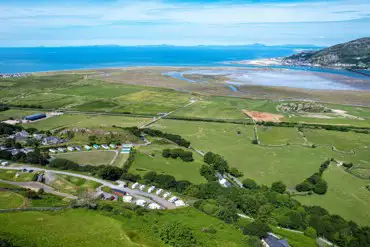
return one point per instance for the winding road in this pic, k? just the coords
(161, 201)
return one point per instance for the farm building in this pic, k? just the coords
(167, 194)
(134, 186)
(173, 199)
(158, 192)
(87, 147)
(127, 199)
(151, 189)
(179, 203)
(154, 206)
(35, 117)
(140, 203)
(273, 241)
(125, 150)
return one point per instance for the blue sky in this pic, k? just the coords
(181, 22)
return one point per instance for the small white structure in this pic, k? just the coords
(125, 150)
(87, 147)
(127, 146)
(51, 150)
(154, 206)
(151, 189)
(223, 182)
(140, 203)
(142, 187)
(4, 163)
(158, 192)
(105, 146)
(180, 203)
(173, 199)
(62, 150)
(112, 146)
(78, 148)
(167, 194)
(135, 185)
(127, 199)
(71, 149)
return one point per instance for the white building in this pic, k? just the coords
(71, 149)
(78, 148)
(158, 192)
(105, 146)
(180, 203)
(112, 146)
(62, 150)
(127, 199)
(223, 182)
(151, 189)
(167, 194)
(87, 147)
(51, 150)
(135, 185)
(154, 206)
(140, 203)
(142, 187)
(127, 146)
(4, 163)
(173, 199)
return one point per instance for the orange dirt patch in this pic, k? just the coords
(263, 116)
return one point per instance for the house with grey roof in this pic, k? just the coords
(274, 241)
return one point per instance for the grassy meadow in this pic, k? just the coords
(145, 161)
(95, 157)
(81, 227)
(73, 185)
(10, 199)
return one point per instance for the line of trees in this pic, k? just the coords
(35, 157)
(174, 138)
(315, 182)
(165, 181)
(8, 129)
(130, 160)
(175, 153)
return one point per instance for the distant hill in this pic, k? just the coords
(353, 54)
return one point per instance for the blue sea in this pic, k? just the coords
(17, 60)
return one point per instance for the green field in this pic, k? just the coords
(295, 239)
(279, 135)
(346, 196)
(96, 157)
(10, 175)
(16, 114)
(344, 141)
(144, 162)
(10, 200)
(91, 228)
(225, 108)
(87, 121)
(73, 185)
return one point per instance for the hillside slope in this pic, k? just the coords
(353, 54)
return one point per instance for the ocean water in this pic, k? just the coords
(17, 60)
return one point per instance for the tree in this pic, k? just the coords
(304, 186)
(92, 138)
(310, 232)
(257, 228)
(279, 187)
(208, 173)
(249, 183)
(110, 172)
(9, 142)
(320, 187)
(30, 194)
(17, 145)
(186, 156)
(235, 172)
(166, 153)
(177, 235)
(150, 176)
(209, 158)
(220, 165)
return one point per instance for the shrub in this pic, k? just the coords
(176, 234)
(250, 184)
(279, 187)
(320, 187)
(310, 232)
(257, 228)
(304, 186)
(166, 153)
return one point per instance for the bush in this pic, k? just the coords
(166, 153)
(278, 187)
(177, 235)
(304, 186)
(235, 172)
(175, 153)
(249, 183)
(310, 232)
(320, 187)
(347, 165)
(30, 194)
(257, 228)
(110, 173)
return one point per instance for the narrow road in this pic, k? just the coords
(37, 186)
(163, 202)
